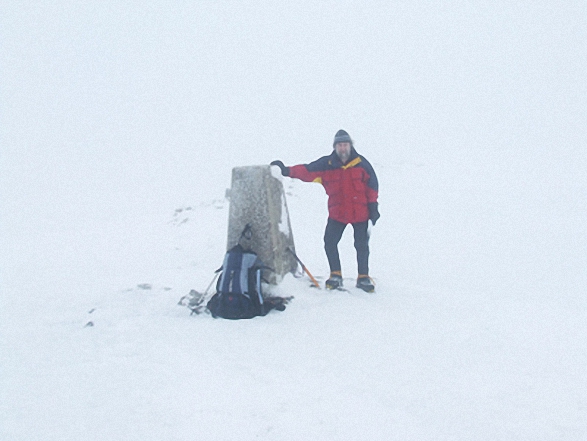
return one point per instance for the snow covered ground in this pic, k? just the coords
(119, 126)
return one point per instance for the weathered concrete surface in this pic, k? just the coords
(257, 198)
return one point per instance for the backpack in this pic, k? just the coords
(238, 292)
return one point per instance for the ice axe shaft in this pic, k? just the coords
(316, 284)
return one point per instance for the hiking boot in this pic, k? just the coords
(365, 283)
(335, 281)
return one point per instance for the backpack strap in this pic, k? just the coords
(258, 295)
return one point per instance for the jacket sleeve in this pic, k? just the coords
(310, 172)
(372, 183)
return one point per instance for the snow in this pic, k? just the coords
(284, 225)
(119, 127)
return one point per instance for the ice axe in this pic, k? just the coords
(316, 284)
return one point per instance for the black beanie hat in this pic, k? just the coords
(342, 136)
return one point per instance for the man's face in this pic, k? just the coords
(343, 150)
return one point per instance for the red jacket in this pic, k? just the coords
(350, 187)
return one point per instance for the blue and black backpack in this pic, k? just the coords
(238, 292)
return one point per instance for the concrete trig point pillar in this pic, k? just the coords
(257, 198)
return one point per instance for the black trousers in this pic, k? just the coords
(332, 236)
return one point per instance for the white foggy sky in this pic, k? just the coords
(110, 110)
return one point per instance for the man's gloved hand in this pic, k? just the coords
(373, 211)
(284, 169)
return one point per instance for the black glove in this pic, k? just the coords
(373, 212)
(284, 169)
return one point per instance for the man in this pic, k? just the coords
(352, 188)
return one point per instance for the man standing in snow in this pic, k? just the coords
(352, 188)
